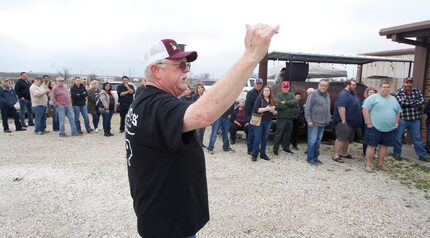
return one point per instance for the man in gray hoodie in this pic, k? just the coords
(317, 114)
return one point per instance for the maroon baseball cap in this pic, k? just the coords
(166, 49)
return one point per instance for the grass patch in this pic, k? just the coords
(410, 174)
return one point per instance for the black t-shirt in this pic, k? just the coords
(166, 168)
(127, 98)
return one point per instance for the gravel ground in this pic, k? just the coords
(78, 187)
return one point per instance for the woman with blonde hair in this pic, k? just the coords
(265, 106)
(93, 95)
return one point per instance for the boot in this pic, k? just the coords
(106, 133)
(109, 133)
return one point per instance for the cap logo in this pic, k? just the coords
(174, 47)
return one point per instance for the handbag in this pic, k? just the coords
(255, 119)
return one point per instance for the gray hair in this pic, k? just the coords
(94, 82)
(147, 72)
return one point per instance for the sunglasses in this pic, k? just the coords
(182, 65)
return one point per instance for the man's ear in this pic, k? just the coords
(155, 71)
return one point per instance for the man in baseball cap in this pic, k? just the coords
(166, 49)
(412, 101)
(285, 103)
(166, 165)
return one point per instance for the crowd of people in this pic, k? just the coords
(382, 117)
(381, 127)
(43, 96)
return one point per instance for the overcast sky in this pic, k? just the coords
(109, 37)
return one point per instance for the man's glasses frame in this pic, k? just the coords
(182, 65)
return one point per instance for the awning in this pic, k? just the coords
(333, 59)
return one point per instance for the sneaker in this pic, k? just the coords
(45, 131)
(21, 129)
(80, 133)
(7, 131)
(254, 158)
(211, 152)
(289, 151)
(318, 161)
(264, 156)
(295, 148)
(56, 129)
(24, 125)
(228, 149)
(381, 167)
(63, 135)
(89, 130)
(39, 133)
(397, 157)
(367, 168)
(96, 130)
(311, 162)
(275, 152)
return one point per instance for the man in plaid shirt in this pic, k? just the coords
(411, 100)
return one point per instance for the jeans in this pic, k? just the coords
(96, 119)
(224, 123)
(428, 137)
(5, 111)
(55, 122)
(40, 118)
(414, 131)
(66, 111)
(25, 105)
(81, 109)
(315, 134)
(123, 109)
(250, 137)
(261, 133)
(284, 128)
(107, 116)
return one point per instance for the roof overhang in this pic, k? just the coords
(404, 33)
(333, 59)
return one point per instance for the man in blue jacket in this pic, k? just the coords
(7, 101)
